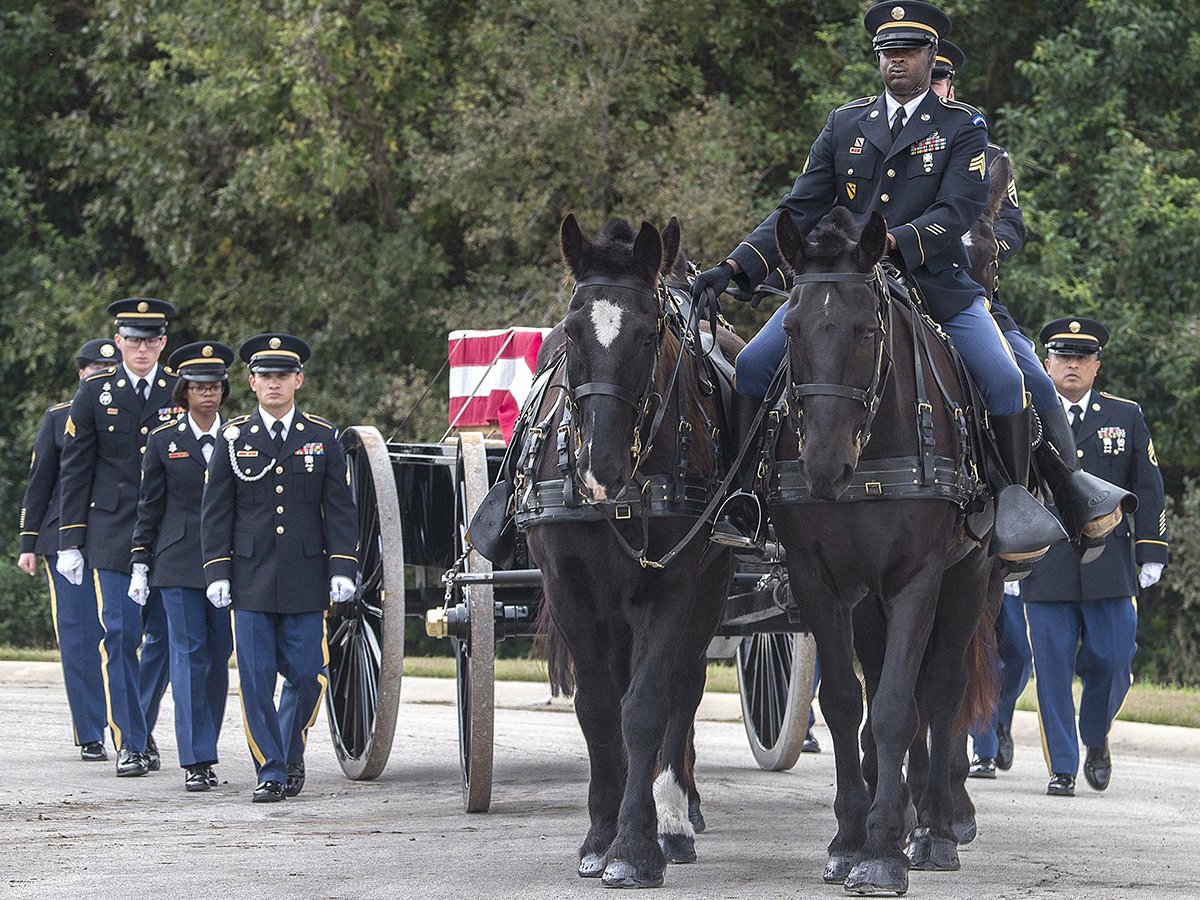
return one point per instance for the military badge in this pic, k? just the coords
(1154, 462)
(930, 144)
(1112, 439)
(851, 190)
(316, 448)
(979, 164)
(107, 350)
(172, 447)
(858, 145)
(112, 410)
(105, 398)
(927, 162)
(248, 451)
(232, 433)
(178, 454)
(1012, 192)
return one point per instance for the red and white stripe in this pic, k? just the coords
(490, 375)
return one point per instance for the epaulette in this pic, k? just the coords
(320, 421)
(977, 118)
(57, 406)
(861, 101)
(1115, 397)
(174, 423)
(167, 370)
(106, 373)
(237, 420)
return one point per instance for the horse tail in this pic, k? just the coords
(983, 664)
(1000, 172)
(550, 644)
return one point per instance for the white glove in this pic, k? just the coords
(341, 589)
(218, 593)
(70, 565)
(1012, 588)
(1147, 577)
(139, 584)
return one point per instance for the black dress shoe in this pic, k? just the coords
(152, 757)
(1061, 785)
(1097, 767)
(811, 744)
(131, 762)
(196, 779)
(982, 767)
(295, 779)
(1004, 754)
(93, 751)
(268, 792)
(210, 777)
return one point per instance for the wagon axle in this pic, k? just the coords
(511, 621)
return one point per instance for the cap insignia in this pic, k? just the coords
(897, 13)
(207, 351)
(274, 343)
(1074, 328)
(143, 306)
(107, 350)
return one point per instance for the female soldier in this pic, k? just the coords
(166, 552)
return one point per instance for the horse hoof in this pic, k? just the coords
(933, 854)
(964, 831)
(620, 874)
(878, 878)
(697, 819)
(591, 865)
(678, 848)
(837, 867)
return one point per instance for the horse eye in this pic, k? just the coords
(868, 334)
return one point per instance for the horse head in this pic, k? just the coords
(983, 249)
(614, 330)
(836, 340)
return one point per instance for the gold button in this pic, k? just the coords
(849, 171)
(1079, 453)
(143, 449)
(279, 529)
(279, 509)
(884, 197)
(279, 488)
(145, 430)
(112, 428)
(92, 504)
(279, 470)
(891, 173)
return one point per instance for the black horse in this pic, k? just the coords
(629, 419)
(899, 577)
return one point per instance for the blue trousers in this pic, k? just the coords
(975, 333)
(1094, 639)
(201, 638)
(135, 685)
(79, 632)
(268, 645)
(1037, 382)
(1016, 665)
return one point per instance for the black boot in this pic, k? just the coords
(1090, 507)
(1024, 529)
(740, 521)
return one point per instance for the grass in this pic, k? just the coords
(1152, 703)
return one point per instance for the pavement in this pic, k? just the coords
(71, 829)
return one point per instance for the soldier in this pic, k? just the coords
(106, 430)
(72, 606)
(1083, 619)
(280, 541)
(993, 743)
(921, 161)
(167, 555)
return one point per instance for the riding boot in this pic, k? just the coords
(740, 521)
(1024, 529)
(1090, 507)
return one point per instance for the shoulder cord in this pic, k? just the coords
(237, 470)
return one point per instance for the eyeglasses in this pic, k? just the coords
(135, 342)
(205, 389)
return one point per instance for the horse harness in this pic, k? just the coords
(924, 476)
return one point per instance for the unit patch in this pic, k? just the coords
(858, 145)
(851, 190)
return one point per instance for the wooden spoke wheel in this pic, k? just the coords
(366, 635)
(475, 653)
(775, 680)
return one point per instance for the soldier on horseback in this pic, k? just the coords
(920, 160)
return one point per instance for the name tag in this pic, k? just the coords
(111, 410)
(182, 454)
(247, 453)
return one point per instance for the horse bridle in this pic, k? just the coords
(871, 395)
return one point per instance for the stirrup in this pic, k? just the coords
(728, 531)
(1024, 529)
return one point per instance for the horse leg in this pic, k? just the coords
(695, 816)
(883, 867)
(841, 702)
(675, 782)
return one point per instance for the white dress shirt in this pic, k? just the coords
(893, 105)
(199, 432)
(1083, 403)
(269, 421)
(149, 376)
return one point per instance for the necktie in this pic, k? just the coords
(141, 389)
(277, 431)
(898, 124)
(206, 445)
(1076, 412)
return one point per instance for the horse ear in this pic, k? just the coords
(790, 242)
(576, 248)
(671, 237)
(872, 243)
(648, 252)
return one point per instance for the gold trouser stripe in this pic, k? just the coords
(1037, 705)
(255, 752)
(321, 678)
(116, 732)
(1013, 357)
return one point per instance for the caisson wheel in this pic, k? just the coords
(366, 635)
(775, 680)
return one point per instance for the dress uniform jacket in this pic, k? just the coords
(39, 509)
(279, 528)
(1009, 226)
(930, 186)
(167, 535)
(1116, 446)
(101, 468)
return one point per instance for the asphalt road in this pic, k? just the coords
(72, 829)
